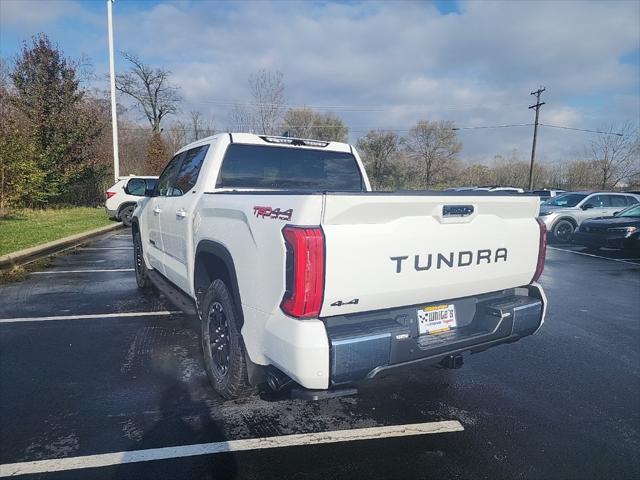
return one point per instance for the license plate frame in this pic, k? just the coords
(435, 319)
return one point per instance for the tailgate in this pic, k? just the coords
(389, 250)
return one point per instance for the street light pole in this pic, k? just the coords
(112, 78)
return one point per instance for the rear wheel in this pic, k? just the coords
(563, 231)
(126, 214)
(142, 277)
(222, 345)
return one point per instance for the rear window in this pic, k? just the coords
(257, 166)
(566, 200)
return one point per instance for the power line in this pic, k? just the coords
(582, 129)
(359, 127)
(363, 128)
(356, 108)
(493, 126)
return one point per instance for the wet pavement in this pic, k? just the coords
(563, 404)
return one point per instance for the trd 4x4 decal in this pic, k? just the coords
(275, 213)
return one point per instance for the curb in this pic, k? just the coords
(34, 253)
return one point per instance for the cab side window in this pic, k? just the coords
(617, 200)
(189, 170)
(167, 176)
(631, 200)
(598, 201)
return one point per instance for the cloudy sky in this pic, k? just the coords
(378, 64)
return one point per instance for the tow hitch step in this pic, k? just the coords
(315, 395)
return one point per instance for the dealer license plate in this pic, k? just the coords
(436, 319)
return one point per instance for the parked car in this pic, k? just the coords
(563, 214)
(122, 197)
(459, 189)
(496, 188)
(548, 193)
(300, 274)
(620, 231)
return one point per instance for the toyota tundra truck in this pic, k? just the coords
(300, 274)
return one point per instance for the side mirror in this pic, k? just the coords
(135, 187)
(615, 213)
(587, 206)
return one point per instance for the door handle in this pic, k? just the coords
(157, 210)
(182, 213)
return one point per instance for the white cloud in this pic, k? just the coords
(397, 62)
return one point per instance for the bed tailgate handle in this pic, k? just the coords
(457, 210)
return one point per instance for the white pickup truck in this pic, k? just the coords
(298, 272)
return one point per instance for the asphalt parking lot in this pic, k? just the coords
(93, 372)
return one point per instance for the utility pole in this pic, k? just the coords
(112, 77)
(537, 106)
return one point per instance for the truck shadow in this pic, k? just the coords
(183, 422)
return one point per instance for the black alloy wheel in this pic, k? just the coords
(223, 348)
(142, 278)
(219, 339)
(563, 231)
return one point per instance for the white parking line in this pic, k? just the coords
(595, 256)
(87, 317)
(105, 248)
(119, 458)
(46, 272)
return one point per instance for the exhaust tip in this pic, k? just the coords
(277, 380)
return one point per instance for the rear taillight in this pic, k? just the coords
(110, 194)
(542, 250)
(304, 277)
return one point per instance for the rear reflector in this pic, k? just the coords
(110, 194)
(304, 277)
(542, 250)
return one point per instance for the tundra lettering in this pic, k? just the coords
(464, 259)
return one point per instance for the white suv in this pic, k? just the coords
(563, 214)
(121, 199)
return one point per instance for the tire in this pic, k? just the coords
(222, 345)
(563, 231)
(140, 267)
(125, 215)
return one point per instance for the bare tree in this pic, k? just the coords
(176, 136)
(305, 123)
(267, 90)
(199, 126)
(5, 74)
(379, 151)
(616, 156)
(434, 146)
(581, 174)
(474, 175)
(151, 90)
(264, 114)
